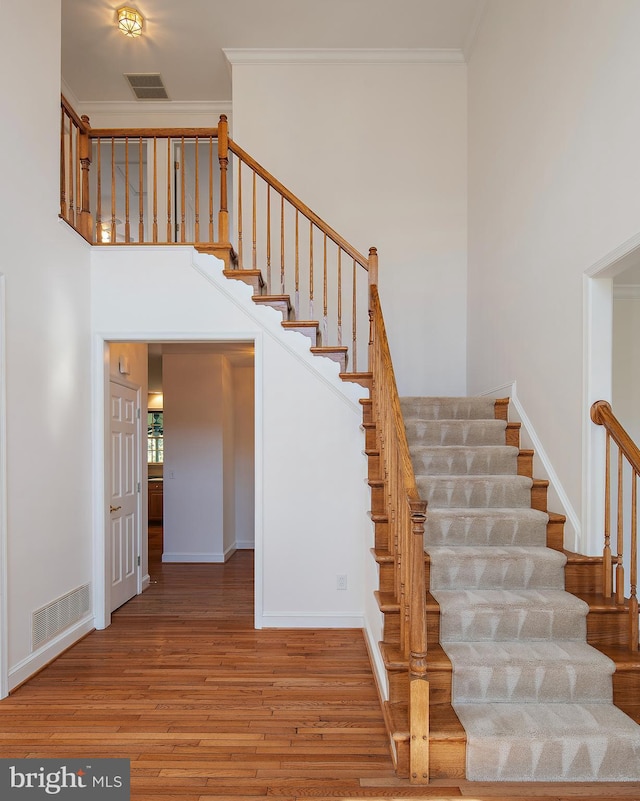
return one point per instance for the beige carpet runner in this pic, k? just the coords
(534, 699)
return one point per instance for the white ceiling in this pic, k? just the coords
(183, 40)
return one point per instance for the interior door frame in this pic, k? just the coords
(598, 381)
(4, 572)
(101, 482)
(99, 399)
(124, 382)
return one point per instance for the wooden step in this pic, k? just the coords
(626, 679)
(378, 495)
(373, 462)
(386, 565)
(555, 531)
(525, 463)
(381, 528)
(607, 621)
(309, 328)
(364, 379)
(370, 436)
(336, 352)
(251, 277)
(539, 494)
(512, 434)
(367, 410)
(501, 408)
(281, 303)
(582, 573)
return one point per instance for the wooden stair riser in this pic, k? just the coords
(370, 437)
(387, 574)
(251, 277)
(373, 464)
(367, 410)
(609, 627)
(626, 691)
(525, 463)
(555, 532)
(539, 494)
(381, 533)
(378, 496)
(512, 435)
(582, 575)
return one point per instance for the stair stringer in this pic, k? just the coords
(311, 490)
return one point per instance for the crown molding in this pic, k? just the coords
(70, 96)
(343, 56)
(138, 107)
(626, 291)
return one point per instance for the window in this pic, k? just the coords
(155, 437)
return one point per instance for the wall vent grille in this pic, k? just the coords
(147, 85)
(59, 615)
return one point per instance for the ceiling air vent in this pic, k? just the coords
(147, 86)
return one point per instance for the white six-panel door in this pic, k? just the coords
(123, 514)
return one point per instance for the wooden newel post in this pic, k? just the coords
(373, 266)
(223, 158)
(418, 684)
(84, 153)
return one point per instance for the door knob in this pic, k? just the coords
(114, 508)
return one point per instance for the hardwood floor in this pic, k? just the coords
(206, 708)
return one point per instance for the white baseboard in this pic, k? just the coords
(47, 653)
(299, 620)
(194, 557)
(377, 663)
(146, 580)
(245, 545)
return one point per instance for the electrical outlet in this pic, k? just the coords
(341, 581)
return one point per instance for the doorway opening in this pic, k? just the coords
(196, 455)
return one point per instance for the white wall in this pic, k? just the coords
(194, 486)
(243, 394)
(46, 268)
(379, 152)
(626, 362)
(553, 177)
(311, 493)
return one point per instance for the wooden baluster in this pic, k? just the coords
(155, 189)
(354, 345)
(419, 686)
(72, 213)
(296, 302)
(620, 531)
(170, 234)
(282, 244)
(268, 239)
(127, 226)
(607, 566)
(140, 194)
(211, 189)
(310, 270)
(197, 209)
(239, 214)
(325, 319)
(63, 166)
(223, 158)
(254, 254)
(182, 169)
(78, 174)
(339, 297)
(633, 574)
(99, 237)
(113, 190)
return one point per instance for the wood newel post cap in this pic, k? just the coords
(418, 511)
(85, 120)
(597, 409)
(373, 251)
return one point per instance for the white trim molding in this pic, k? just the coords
(626, 291)
(343, 56)
(4, 571)
(312, 620)
(509, 390)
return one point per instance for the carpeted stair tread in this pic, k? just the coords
(475, 491)
(529, 672)
(488, 526)
(447, 408)
(503, 615)
(452, 460)
(550, 742)
(494, 567)
(534, 699)
(456, 432)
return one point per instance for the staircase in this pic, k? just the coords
(517, 694)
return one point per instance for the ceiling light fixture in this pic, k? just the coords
(130, 21)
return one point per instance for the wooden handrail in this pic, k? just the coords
(628, 451)
(151, 133)
(406, 515)
(298, 204)
(602, 414)
(71, 113)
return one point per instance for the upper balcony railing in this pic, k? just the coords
(195, 186)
